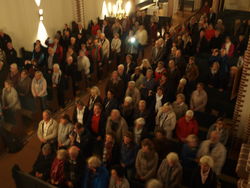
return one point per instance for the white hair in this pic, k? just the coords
(62, 153)
(190, 113)
(140, 121)
(120, 66)
(96, 90)
(183, 81)
(56, 66)
(154, 183)
(131, 83)
(14, 65)
(207, 160)
(128, 99)
(94, 162)
(172, 156)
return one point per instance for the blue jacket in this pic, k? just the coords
(99, 180)
(128, 154)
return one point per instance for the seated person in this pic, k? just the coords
(170, 171)
(186, 125)
(204, 176)
(41, 168)
(146, 161)
(118, 178)
(95, 175)
(219, 126)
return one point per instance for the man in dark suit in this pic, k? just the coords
(80, 114)
(211, 17)
(11, 54)
(106, 30)
(51, 59)
(110, 103)
(157, 53)
(129, 66)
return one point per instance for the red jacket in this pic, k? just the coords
(57, 171)
(185, 128)
(210, 34)
(94, 29)
(59, 51)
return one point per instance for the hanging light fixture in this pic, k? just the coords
(118, 10)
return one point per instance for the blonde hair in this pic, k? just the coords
(128, 99)
(207, 160)
(94, 162)
(96, 90)
(140, 121)
(172, 156)
(62, 154)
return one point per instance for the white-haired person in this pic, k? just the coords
(83, 66)
(140, 130)
(214, 149)
(127, 110)
(39, 89)
(166, 119)
(94, 97)
(182, 86)
(154, 183)
(117, 124)
(58, 168)
(204, 176)
(116, 48)
(146, 162)
(95, 175)
(186, 125)
(170, 171)
(133, 92)
(179, 106)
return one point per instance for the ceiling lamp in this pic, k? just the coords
(118, 10)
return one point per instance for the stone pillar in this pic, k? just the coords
(78, 9)
(241, 117)
(215, 5)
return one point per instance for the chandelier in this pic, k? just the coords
(118, 10)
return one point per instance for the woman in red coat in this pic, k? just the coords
(229, 47)
(95, 27)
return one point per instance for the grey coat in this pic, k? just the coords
(146, 164)
(10, 99)
(172, 180)
(124, 183)
(63, 133)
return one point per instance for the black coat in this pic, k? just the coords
(11, 56)
(43, 165)
(211, 181)
(4, 40)
(84, 118)
(109, 105)
(75, 171)
(216, 42)
(102, 125)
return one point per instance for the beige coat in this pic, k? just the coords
(51, 132)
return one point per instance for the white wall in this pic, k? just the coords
(20, 19)
(242, 5)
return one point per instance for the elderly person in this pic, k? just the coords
(110, 103)
(95, 97)
(133, 92)
(65, 127)
(58, 168)
(75, 168)
(145, 65)
(47, 129)
(39, 88)
(116, 47)
(189, 151)
(14, 74)
(80, 113)
(181, 88)
(10, 100)
(117, 124)
(219, 126)
(154, 183)
(137, 77)
(146, 161)
(141, 110)
(186, 125)
(140, 130)
(159, 71)
(179, 106)
(170, 171)
(83, 66)
(204, 176)
(148, 84)
(166, 119)
(191, 72)
(118, 178)
(214, 149)
(96, 175)
(127, 110)
(198, 100)
(41, 167)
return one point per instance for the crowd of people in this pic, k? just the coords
(125, 138)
